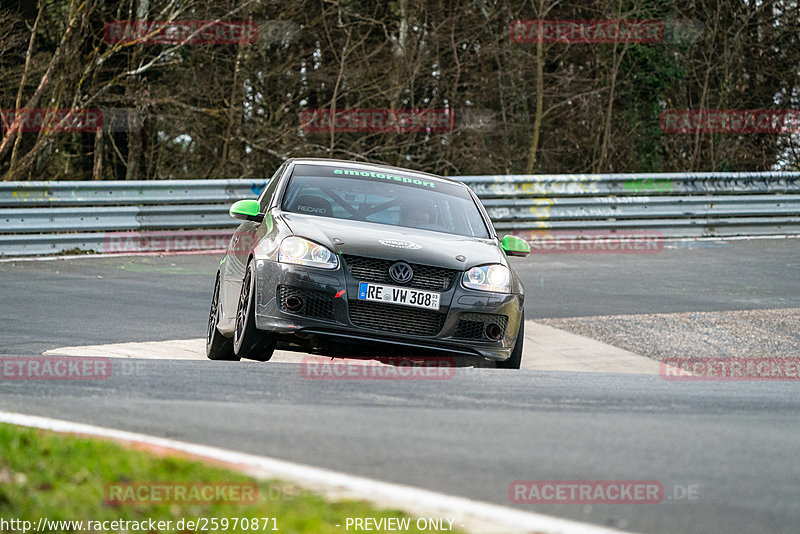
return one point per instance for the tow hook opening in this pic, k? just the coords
(493, 331)
(294, 303)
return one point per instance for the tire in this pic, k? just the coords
(514, 361)
(248, 341)
(218, 347)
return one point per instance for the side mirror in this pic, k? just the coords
(247, 210)
(515, 246)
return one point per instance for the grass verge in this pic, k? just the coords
(68, 478)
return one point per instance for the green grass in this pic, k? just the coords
(60, 477)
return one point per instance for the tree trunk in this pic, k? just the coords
(97, 168)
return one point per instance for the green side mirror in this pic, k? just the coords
(515, 246)
(247, 210)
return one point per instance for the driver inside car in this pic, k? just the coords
(418, 215)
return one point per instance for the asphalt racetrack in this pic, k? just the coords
(733, 446)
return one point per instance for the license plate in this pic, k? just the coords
(398, 295)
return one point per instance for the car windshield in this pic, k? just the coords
(388, 197)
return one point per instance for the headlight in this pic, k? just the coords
(496, 278)
(303, 252)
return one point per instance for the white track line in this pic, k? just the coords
(490, 517)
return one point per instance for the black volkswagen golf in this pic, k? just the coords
(350, 259)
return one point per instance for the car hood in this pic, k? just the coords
(394, 242)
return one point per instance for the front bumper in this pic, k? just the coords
(330, 310)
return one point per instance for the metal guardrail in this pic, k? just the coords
(633, 184)
(127, 216)
(121, 192)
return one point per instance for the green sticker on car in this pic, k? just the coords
(385, 176)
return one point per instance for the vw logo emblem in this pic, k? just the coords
(401, 272)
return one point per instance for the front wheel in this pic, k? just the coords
(514, 361)
(218, 347)
(248, 341)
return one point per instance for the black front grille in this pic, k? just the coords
(316, 304)
(377, 271)
(473, 325)
(396, 319)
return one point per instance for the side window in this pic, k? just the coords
(269, 190)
